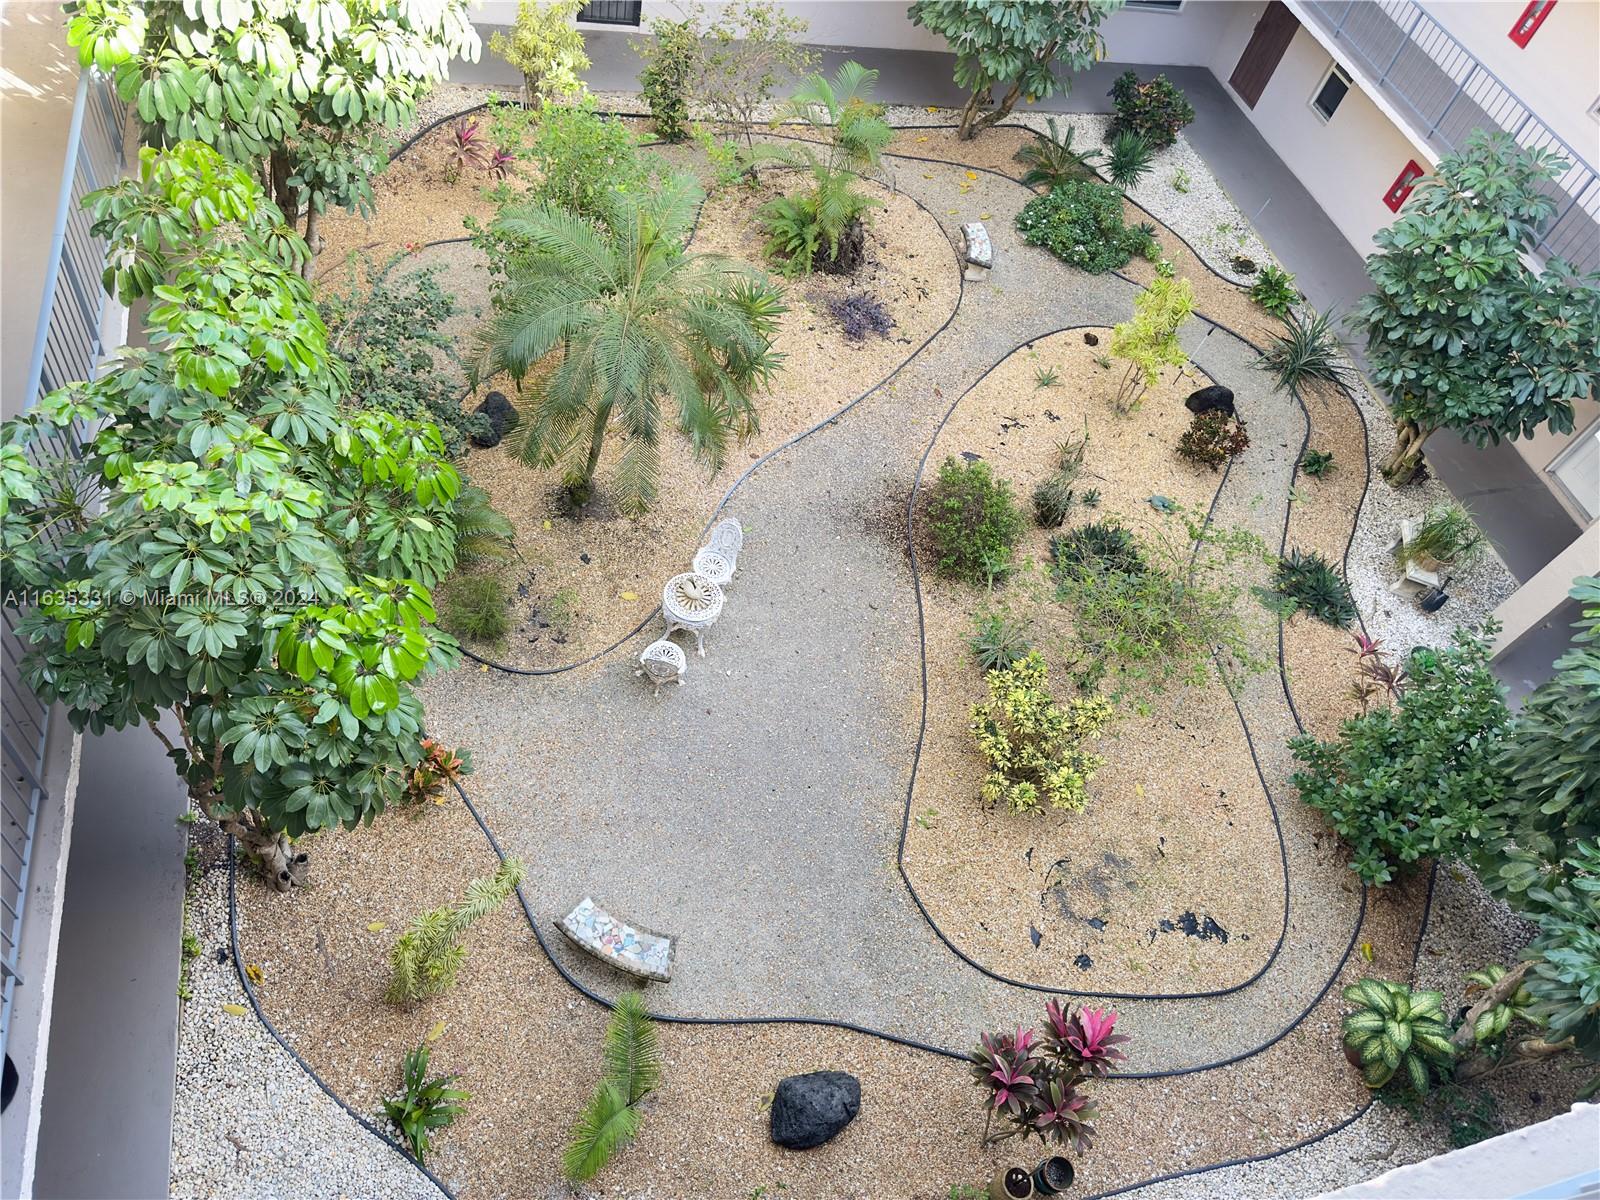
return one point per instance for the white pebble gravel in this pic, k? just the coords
(248, 1123)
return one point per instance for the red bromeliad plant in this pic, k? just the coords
(438, 766)
(1033, 1080)
(501, 161)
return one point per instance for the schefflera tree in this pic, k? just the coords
(1462, 331)
(233, 558)
(307, 89)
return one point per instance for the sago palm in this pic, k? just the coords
(638, 321)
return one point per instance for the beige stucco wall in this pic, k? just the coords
(1542, 449)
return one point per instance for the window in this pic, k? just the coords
(1594, 109)
(610, 12)
(1401, 189)
(1577, 470)
(1334, 86)
(1528, 23)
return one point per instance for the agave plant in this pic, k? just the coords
(997, 642)
(1396, 1033)
(1051, 158)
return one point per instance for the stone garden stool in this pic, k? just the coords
(630, 948)
(713, 566)
(977, 252)
(663, 662)
(692, 603)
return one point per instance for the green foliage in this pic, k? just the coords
(234, 546)
(1161, 610)
(1274, 291)
(1080, 222)
(1212, 439)
(310, 87)
(631, 1071)
(1052, 500)
(1461, 332)
(1551, 764)
(1035, 747)
(726, 158)
(1492, 1022)
(1306, 352)
(1397, 1035)
(642, 323)
(1180, 181)
(749, 51)
(1031, 49)
(1316, 463)
(387, 331)
(483, 534)
(1156, 110)
(423, 1104)
(547, 48)
(998, 642)
(1448, 535)
(475, 607)
(670, 57)
(1416, 779)
(1304, 581)
(802, 226)
(426, 957)
(1129, 159)
(1046, 377)
(975, 522)
(1052, 159)
(1565, 980)
(1149, 342)
(585, 160)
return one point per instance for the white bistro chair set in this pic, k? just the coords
(692, 602)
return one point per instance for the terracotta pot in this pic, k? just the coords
(1011, 1183)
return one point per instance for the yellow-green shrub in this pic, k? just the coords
(1034, 746)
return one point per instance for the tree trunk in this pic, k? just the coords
(1405, 461)
(313, 240)
(847, 255)
(280, 166)
(1464, 1037)
(969, 114)
(1000, 113)
(1525, 1051)
(581, 487)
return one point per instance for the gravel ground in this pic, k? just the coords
(247, 1120)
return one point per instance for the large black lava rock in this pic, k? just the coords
(1215, 398)
(499, 416)
(808, 1110)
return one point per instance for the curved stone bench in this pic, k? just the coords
(630, 948)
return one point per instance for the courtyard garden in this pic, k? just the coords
(1062, 775)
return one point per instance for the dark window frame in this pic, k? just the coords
(1335, 71)
(626, 13)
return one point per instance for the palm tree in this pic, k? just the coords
(637, 320)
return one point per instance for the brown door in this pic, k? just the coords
(1271, 38)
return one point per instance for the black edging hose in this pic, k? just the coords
(255, 1005)
(826, 1022)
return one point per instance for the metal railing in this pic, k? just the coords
(1444, 92)
(67, 346)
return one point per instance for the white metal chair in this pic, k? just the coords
(663, 662)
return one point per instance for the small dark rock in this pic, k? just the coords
(1215, 398)
(808, 1110)
(499, 417)
(1090, 339)
(584, 559)
(1083, 962)
(1035, 936)
(970, 456)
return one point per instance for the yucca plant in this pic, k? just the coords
(1397, 1034)
(639, 322)
(1129, 160)
(1448, 535)
(998, 642)
(1307, 352)
(427, 956)
(1052, 159)
(631, 1059)
(423, 1104)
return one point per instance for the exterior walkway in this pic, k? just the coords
(1515, 509)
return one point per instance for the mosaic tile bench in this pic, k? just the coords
(629, 948)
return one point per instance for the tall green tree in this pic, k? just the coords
(234, 558)
(305, 89)
(1015, 44)
(635, 321)
(1462, 333)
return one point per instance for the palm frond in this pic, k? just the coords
(483, 533)
(632, 1052)
(606, 1124)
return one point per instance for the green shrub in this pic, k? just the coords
(474, 607)
(483, 534)
(1034, 747)
(1080, 222)
(670, 60)
(427, 956)
(1162, 609)
(997, 641)
(1397, 1035)
(584, 158)
(1129, 160)
(1307, 582)
(1052, 159)
(1416, 779)
(1155, 110)
(1448, 535)
(1274, 291)
(1316, 463)
(631, 1071)
(1212, 439)
(424, 1104)
(975, 522)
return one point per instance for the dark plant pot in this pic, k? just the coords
(1011, 1183)
(1053, 1176)
(1433, 599)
